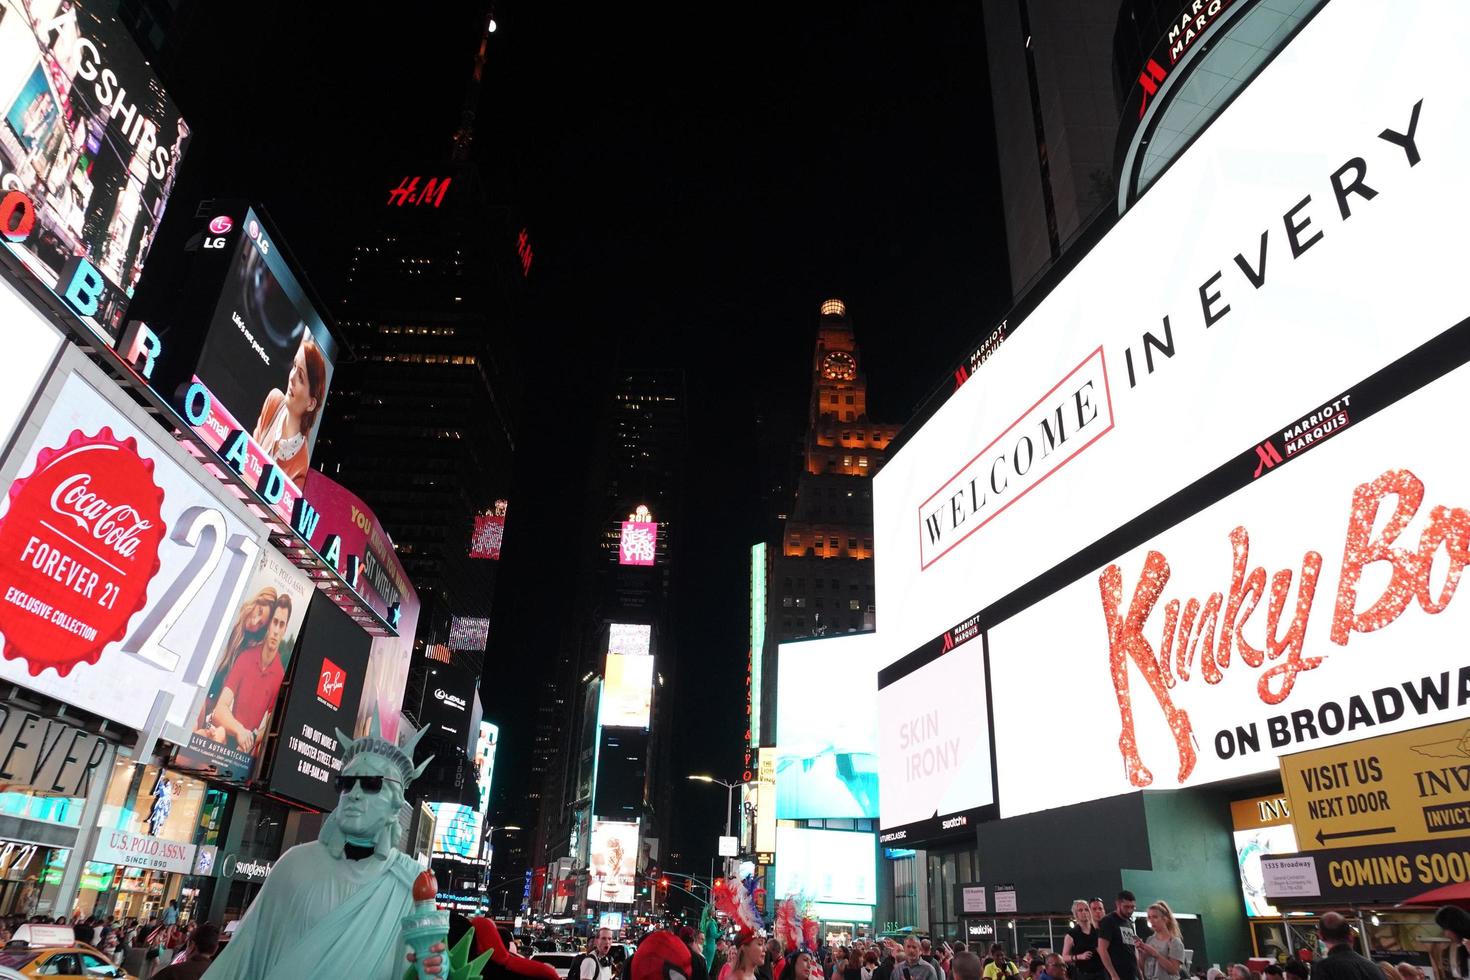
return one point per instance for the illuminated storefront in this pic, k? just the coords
(156, 826)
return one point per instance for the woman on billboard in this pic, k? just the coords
(286, 417)
(248, 631)
(248, 698)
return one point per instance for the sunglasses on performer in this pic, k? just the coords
(370, 784)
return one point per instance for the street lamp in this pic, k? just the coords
(729, 795)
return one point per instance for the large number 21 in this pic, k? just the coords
(203, 530)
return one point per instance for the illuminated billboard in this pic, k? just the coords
(91, 143)
(268, 356)
(489, 533)
(31, 343)
(456, 831)
(122, 563)
(370, 564)
(326, 686)
(627, 691)
(612, 871)
(632, 639)
(638, 543)
(1262, 826)
(485, 745)
(826, 764)
(1195, 553)
(827, 865)
(449, 693)
(233, 339)
(239, 704)
(468, 632)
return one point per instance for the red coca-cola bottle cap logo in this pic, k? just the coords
(78, 547)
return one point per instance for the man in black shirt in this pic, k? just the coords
(1342, 962)
(1117, 939)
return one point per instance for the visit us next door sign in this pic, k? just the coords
(1409, 786)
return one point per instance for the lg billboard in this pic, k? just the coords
(1210, 480)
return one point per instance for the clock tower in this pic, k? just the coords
(840, 438)
(817, 580)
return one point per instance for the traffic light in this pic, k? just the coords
(663, 882)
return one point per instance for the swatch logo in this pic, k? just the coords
(329, 686)
(221, 224)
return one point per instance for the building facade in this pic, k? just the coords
(603, 742)
(819, 573)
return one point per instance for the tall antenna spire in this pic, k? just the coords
(464, 136)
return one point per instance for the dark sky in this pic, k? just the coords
(696, 179)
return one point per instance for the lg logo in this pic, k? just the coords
(219, 226)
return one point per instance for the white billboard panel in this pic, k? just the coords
(627, 693)
(826, 765)
(612, 872)
(826, 865)
(1306, 239)
(121, 561)
(1313, 607)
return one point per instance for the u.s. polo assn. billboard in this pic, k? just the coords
(1207, 503)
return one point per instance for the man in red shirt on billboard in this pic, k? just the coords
(249, 694)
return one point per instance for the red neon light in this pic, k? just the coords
(523, 249)
(18, 217)
(408, 192)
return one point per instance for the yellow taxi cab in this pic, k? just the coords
(53, 951)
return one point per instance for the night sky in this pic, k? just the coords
(693, 188)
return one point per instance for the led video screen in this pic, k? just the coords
(827, 762)
(1172, 483)
(827, 865)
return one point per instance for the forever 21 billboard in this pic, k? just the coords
(330, 669)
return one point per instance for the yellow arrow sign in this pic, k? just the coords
(1409, 786)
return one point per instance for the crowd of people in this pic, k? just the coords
(1100, 945)
(170, 950)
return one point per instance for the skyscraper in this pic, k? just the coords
(819, 578)
(421, 420)
(1056, 122)
(603, 739)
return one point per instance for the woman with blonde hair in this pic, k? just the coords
(1079, 948)
(1161, 955)
(248, 631)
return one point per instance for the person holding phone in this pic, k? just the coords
(1162, 954)
(1000, 966)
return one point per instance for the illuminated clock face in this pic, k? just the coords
(839, 366)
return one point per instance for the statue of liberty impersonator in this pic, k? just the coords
(332, 907)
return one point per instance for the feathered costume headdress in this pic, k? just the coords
(738, 902)
(796, 930)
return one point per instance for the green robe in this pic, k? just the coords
(318, 916)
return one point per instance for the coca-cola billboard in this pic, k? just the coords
(81, 539)
(119, 558)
